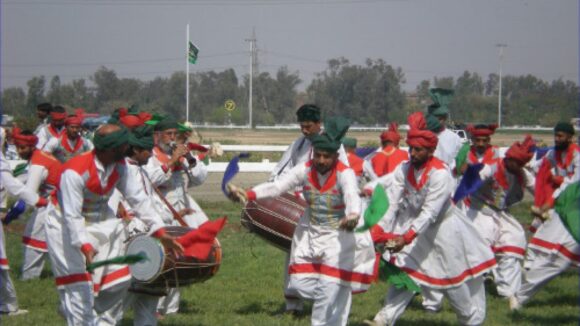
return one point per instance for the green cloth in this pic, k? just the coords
(433, 123)
(181, 127)
(564, 127)
(377, 208)
(112, 140)
(192, 53)
(142, 137)
(155, 119)
(167, 123)
(397, 277)
(349, 142)
(441, 98)
(20, 169)
(308, 112)
(461, 157)
(567, 206)
(334, 130)
(120, 260)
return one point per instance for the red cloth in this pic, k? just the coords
(196, 147)
(521, 152)
(388, 159)
(482, 132)
(198, 243)
(418, 135)
(73, 120)
(131, 121)
(145, 116)
(417, 121)
(391, 134)
(544, 188)
(356, 163)
(58, 115)
(20, 139)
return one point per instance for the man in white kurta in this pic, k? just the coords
(42, 113)
(54, 129)
(8, 301)
(434, 242)
(503, 186)
(449, 142)
(83, 228)
(170, 171)
(328, 261)
(71, 143)
(42, 177)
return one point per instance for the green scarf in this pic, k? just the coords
(334, 130)
(142, 137)
(113, 140)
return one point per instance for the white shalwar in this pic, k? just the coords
(447, 148)
(173, 185)
(84, 219)
(42, 177)
(8, 301)
(326, 263)
(444, 251)
(299, 152)
(554, 250)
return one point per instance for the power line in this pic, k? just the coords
(195, 3)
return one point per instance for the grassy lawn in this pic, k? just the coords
(248, 291)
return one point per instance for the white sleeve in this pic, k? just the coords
(349, 187)
(42, 138)
(530, 181)
(368, 170)
(15, 187)
(89, 143)
(51, 145)
(156, 173)
(70, 198)
(284, 183)
(36, 175)
(487, 172)
(342, 156)
(132, 189)
(394, 193)
(386, 181)
(198, 174)
(438, 195)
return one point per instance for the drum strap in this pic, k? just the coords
(173, 211)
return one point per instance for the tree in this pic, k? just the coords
(35, 93)
(107, 87)
(13, 100)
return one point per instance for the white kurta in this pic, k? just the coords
(44, 136)
(53, 146)
(448, 146)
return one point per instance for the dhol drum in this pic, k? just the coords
(162, 270)
(274, 219)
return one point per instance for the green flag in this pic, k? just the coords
(376, 210)
(461, 157)
(192, 54)
(120, 260)
(568, 208)
(397, 277)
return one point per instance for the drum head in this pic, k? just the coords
(149, 268)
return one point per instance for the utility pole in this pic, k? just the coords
(252, 64)
(501, 46)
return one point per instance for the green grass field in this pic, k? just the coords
(248, 291)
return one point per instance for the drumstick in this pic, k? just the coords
(173, 211)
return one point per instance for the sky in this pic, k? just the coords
(426, 38)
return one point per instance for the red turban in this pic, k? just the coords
(20, 139)
(131, 121)
(57, 115)
(481, 130)
(73, 120)
(418, 135)
(145, 116)
(392, 134)
(521, 152)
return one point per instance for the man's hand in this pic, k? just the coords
(349, 222)
(236, 194)
(178, 152)
(541, 212)
(396, 244)
(170, 244)
(89, 255)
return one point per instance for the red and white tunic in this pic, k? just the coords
(43, 177)
(47, 133)
(443, 249)
(321, 250)
(64, 148)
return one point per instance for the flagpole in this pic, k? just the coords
(187, 75)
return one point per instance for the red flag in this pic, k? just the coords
(196, 147)
(544, 188)
(197, 243)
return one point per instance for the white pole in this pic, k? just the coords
(187, 75)
(250, 102)
(501, 47)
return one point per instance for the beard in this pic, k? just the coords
(562, 146)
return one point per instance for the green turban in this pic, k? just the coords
(349, 142)
(433, 123)
(441, 98)
(155, 119)
(142, 137)
(334, 130)
(564, 127)
(308, 112)
(113, 140)
(182, 127)
(167, 123)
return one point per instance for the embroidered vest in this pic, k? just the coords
(95, 197)
(53, 167)
(63, 152)
(563, 166)
(326, 202)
